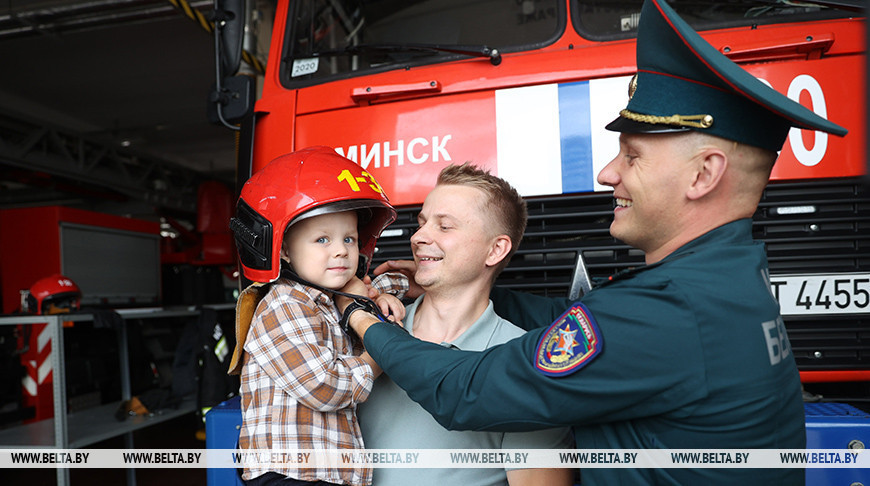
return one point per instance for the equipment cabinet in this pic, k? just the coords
(95, 424)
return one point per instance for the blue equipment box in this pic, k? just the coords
(222, 424)
(837, 426)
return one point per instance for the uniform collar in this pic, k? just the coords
(735, 232)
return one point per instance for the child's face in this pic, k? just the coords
(324, 249)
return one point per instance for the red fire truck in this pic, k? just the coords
(525, 87)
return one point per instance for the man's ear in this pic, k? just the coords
(708, 172)
(499, 250)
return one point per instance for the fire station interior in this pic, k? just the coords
(114, 176)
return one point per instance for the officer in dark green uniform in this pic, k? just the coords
(686, 352)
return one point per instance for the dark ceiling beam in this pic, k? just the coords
(29, 146)
(22, 198)
(62, 17)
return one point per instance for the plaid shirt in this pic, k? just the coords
(302, 379)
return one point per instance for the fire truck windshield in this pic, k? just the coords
(334, 39)
(609, 19)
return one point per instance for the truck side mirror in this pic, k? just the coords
(229, 25)
(231, 97)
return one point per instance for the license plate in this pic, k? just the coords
(801, 295)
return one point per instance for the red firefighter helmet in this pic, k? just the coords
(53, 294)
(299, 185)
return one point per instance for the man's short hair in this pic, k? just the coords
(508, 208)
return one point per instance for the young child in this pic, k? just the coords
(302, 375)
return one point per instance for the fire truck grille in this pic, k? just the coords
(821, 226)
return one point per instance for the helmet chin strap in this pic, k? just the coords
(289, 274)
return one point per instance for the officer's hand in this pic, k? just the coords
(406, 267)
(356, 287)
(359, 321)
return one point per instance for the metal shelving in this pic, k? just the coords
(95, 424)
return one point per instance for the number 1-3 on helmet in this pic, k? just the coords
(299, 185)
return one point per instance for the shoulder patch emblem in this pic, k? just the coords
(569, 344)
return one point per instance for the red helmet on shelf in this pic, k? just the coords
(299, 185)
(53, 295)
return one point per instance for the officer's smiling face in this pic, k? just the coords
(649, 177)
(452, 243)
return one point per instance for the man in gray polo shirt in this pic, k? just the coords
(458, 253)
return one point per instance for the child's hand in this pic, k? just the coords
(355, 286)
(372, 292)
(406, 267)
(391, 307)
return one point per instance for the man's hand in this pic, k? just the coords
(406, 267)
